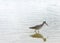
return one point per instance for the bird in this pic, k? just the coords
(38, 27)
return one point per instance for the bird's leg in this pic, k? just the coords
(38, 31)
(35, 31)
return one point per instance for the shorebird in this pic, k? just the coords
(37, 27)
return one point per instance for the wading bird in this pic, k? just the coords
(37, 27)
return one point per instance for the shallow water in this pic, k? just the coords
(17, 16)
(18, 37)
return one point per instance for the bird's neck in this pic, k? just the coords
(42, 24)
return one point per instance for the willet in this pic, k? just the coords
(37, 27)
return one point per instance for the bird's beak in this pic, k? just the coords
(46, 24)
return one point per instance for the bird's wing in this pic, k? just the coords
(37, 26)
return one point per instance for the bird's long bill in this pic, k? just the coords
(46, 24)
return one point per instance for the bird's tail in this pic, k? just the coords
(31, 27)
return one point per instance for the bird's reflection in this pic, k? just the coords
(38, 35)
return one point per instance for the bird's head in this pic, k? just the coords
(45, 23)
